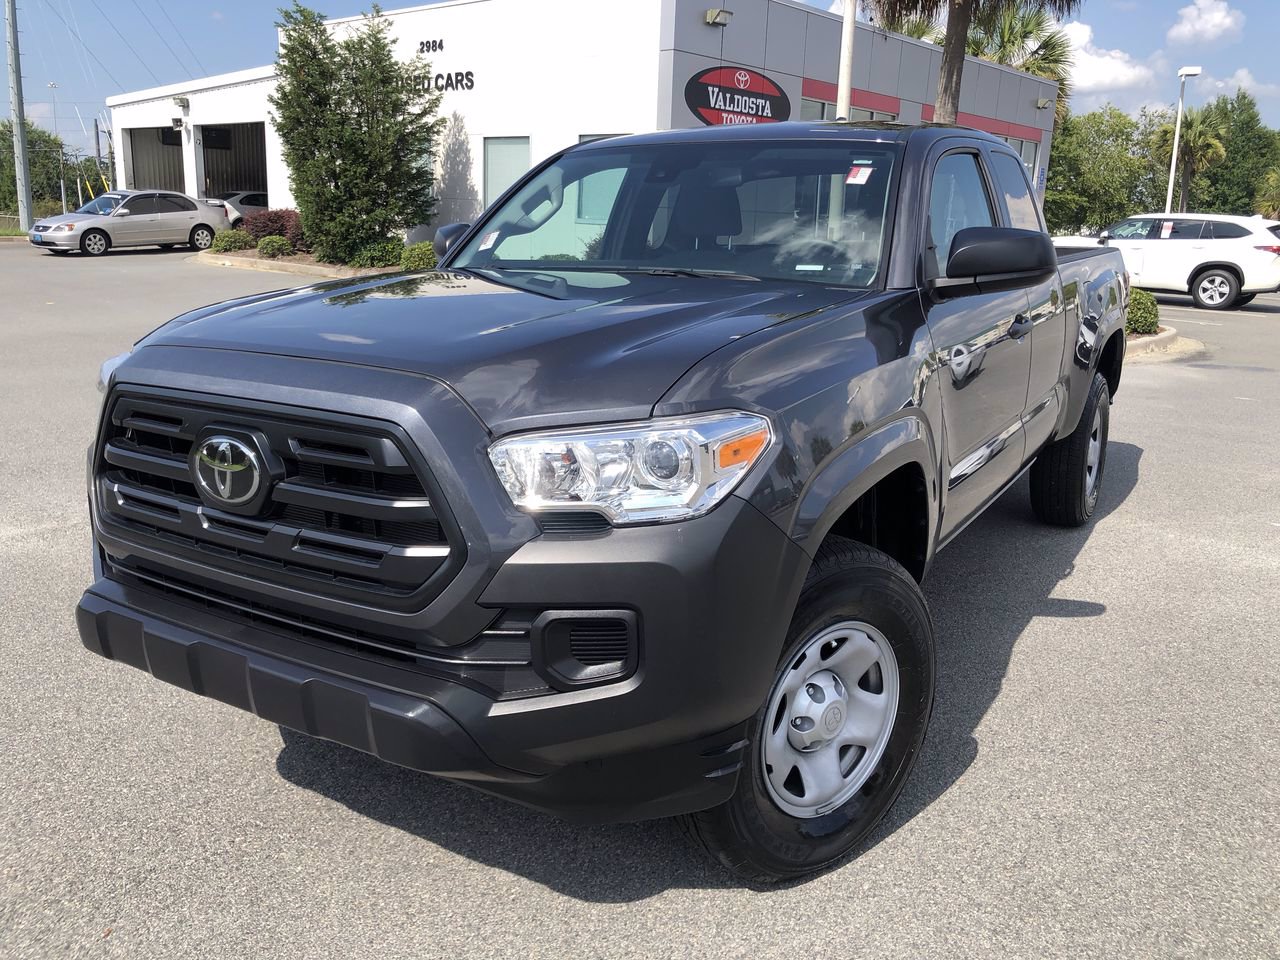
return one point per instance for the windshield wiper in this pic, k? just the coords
(684, 272)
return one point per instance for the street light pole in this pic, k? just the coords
(844, 96)
(62, 176)
(1177, 132)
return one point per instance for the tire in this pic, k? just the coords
(95, 243)
(1215, 289)
(857, 603)
(201, 237)
(1067, 475)
(1243, 299)
(237, 223)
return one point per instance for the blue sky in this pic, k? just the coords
(1127, 51)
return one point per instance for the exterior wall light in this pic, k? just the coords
(718, 17)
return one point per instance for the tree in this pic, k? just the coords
(1199, 147)
(961, 15)
(916, 27)
(43, 153)
(358, 129)
(1251, 150)
(1266, 199)
(1024, 36)
(1095, 171)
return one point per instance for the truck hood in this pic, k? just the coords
(522, 349)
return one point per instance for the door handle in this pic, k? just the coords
(1020, 327)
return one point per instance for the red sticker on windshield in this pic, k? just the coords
(858, 175)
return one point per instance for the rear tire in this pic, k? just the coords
(1215, 289)
(95, 243)
(858, 664)
(201, 237)
(1067, 475)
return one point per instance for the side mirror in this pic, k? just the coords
(447, 236)
(122, 211)
(1103, 237)
(995, 258)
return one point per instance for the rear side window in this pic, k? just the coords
(1011, 178)
(958, 200)
(1275, 230)
(1225, 230)
(1179, 229)
(172, 204)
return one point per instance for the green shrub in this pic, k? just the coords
(418, 256)
(276, 223)
(226, 241)
(1143, 315)
(384, 253)
(272, 247)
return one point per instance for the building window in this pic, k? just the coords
(825, 110)
(1026, 149)
(506, 160)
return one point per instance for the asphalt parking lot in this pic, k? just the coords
(1102, 777)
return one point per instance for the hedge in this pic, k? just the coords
(1143, 315)
(226, 241)
(272, 247)
(418, 256)
(384, 253)
(276, 223)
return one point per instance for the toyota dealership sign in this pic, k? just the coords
(725, 95)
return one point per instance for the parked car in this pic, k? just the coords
(1222, 261)
(131, 218)
(622, 518)
(242, 203)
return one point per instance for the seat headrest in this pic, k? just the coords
(707, 212)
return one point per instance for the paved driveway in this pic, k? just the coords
(1102, 777)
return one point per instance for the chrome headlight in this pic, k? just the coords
(63, 228)
(108, 368)
(670, 468)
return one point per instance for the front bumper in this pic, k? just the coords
(712, 596)
(50, 241)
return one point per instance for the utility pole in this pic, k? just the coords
(62, 174)
(111, 158)
(844, 92)
(97, 147)
(22, 175)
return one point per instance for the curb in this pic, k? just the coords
(21, 239)
(1158, 343)
(296, 269)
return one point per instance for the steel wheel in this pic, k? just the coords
(1214, 289)
(830, 716)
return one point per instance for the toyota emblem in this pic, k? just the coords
(742, 79)
(227, 471)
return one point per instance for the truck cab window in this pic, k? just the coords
(958, 200)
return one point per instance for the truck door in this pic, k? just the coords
(984, 360)
(1046, 307)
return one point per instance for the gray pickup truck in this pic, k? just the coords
(622, 512)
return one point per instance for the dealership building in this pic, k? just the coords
(522, 79)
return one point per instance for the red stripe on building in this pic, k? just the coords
(1001, 128)
(822, 90)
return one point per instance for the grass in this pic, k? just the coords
(7, 231)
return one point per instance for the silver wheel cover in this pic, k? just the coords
(94, 243)
(829, 718)
(1094, 456)
(1214, 289)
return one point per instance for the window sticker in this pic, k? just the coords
(1166, 229)
(859, 174)
(810, 266)
(489, 240)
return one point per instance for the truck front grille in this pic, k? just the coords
(354, 517)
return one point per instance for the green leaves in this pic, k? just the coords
(359, 132)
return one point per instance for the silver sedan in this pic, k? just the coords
(132, 218)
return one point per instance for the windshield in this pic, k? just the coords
(103, 205)
(755, 208)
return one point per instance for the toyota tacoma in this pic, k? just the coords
(623, 511)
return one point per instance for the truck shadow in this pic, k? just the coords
(983, 591)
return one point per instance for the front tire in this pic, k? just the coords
(835, 740)
(1067, 475)
(1215, 289)
(201, 237)
(95, 243)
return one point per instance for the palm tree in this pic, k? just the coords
(961, 15)
(1267, 199)
(918, 28)
(1199, 146)
(1026, 37)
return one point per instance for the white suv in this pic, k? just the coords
(1221, 261)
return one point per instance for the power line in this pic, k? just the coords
(87, 49)
(125, 41)
(151, 23)
(181, 36)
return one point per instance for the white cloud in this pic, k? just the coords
(1242, 78)
(1206, 20)
(1099, 70)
